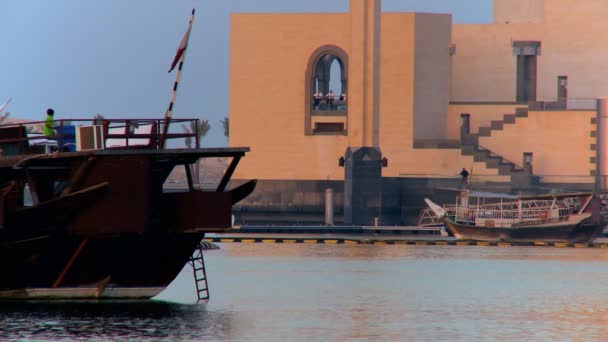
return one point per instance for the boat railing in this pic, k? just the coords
(428, 218)
(470, 215)
(537, 203)
(507, 212)
(18, 138)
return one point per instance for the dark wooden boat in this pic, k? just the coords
(569, 217)
(100, 223)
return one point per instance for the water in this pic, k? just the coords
(299, 292)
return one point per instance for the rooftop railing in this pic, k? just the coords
(570, 103)
(564, 104)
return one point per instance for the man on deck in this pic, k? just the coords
(464, 182)
(49, 126)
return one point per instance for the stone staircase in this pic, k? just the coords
(492, 160)
(470, 147)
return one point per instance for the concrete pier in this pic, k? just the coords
(418, 236)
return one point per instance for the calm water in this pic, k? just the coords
(274, 292)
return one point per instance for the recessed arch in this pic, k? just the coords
(317, 79)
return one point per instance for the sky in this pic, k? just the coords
(111, 57)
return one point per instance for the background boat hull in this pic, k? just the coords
(575, 233)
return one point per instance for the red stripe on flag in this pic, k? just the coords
(181, 48)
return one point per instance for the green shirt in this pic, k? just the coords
(49, 127)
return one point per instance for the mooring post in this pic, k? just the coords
(329, 207)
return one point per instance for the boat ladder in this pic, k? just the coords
(200, 276)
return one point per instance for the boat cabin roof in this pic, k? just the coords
(557, 195)
(485, 194)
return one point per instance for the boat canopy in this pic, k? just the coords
(557, 195)
(484, 194)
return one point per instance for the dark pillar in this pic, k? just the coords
(525, 180)
(321, 79)
(526, 53)
(528, 162)
(465, 128)
(521, 93)
(327, 71)
(562, 91)
(531, 74)
(362, 185)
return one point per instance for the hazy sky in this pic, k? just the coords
(84, 57)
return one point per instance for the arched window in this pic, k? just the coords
(326, 92)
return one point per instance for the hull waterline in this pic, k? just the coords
(568, 233)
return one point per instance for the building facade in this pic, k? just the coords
(515, 102)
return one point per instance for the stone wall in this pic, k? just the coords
(283, 202)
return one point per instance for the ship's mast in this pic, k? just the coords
(180, 57)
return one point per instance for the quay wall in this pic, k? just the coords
(303, 202)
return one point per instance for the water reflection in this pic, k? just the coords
(110, 321)
(384, 252)
(300, 292)
(395, 292)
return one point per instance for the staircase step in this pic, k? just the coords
(470, 146)
(485, 131)
(493, 162)
(509, 118)
(467, 150)
(505, 169)
(470, 139)
(521, 112)
(496, 125)
(481, 156)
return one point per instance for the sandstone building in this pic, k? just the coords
(518, 102)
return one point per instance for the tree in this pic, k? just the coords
(203, 128)
(226, 124)
(188, 139)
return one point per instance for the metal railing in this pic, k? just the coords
(569, 103)
(323, 105)
(512, 216)
(30, 133)
(508, 213)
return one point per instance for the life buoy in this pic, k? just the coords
(543, 215)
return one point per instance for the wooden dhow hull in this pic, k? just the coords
(571, 231)
(124, 266)
(101, 226)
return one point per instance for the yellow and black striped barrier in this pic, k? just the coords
(421, 242)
